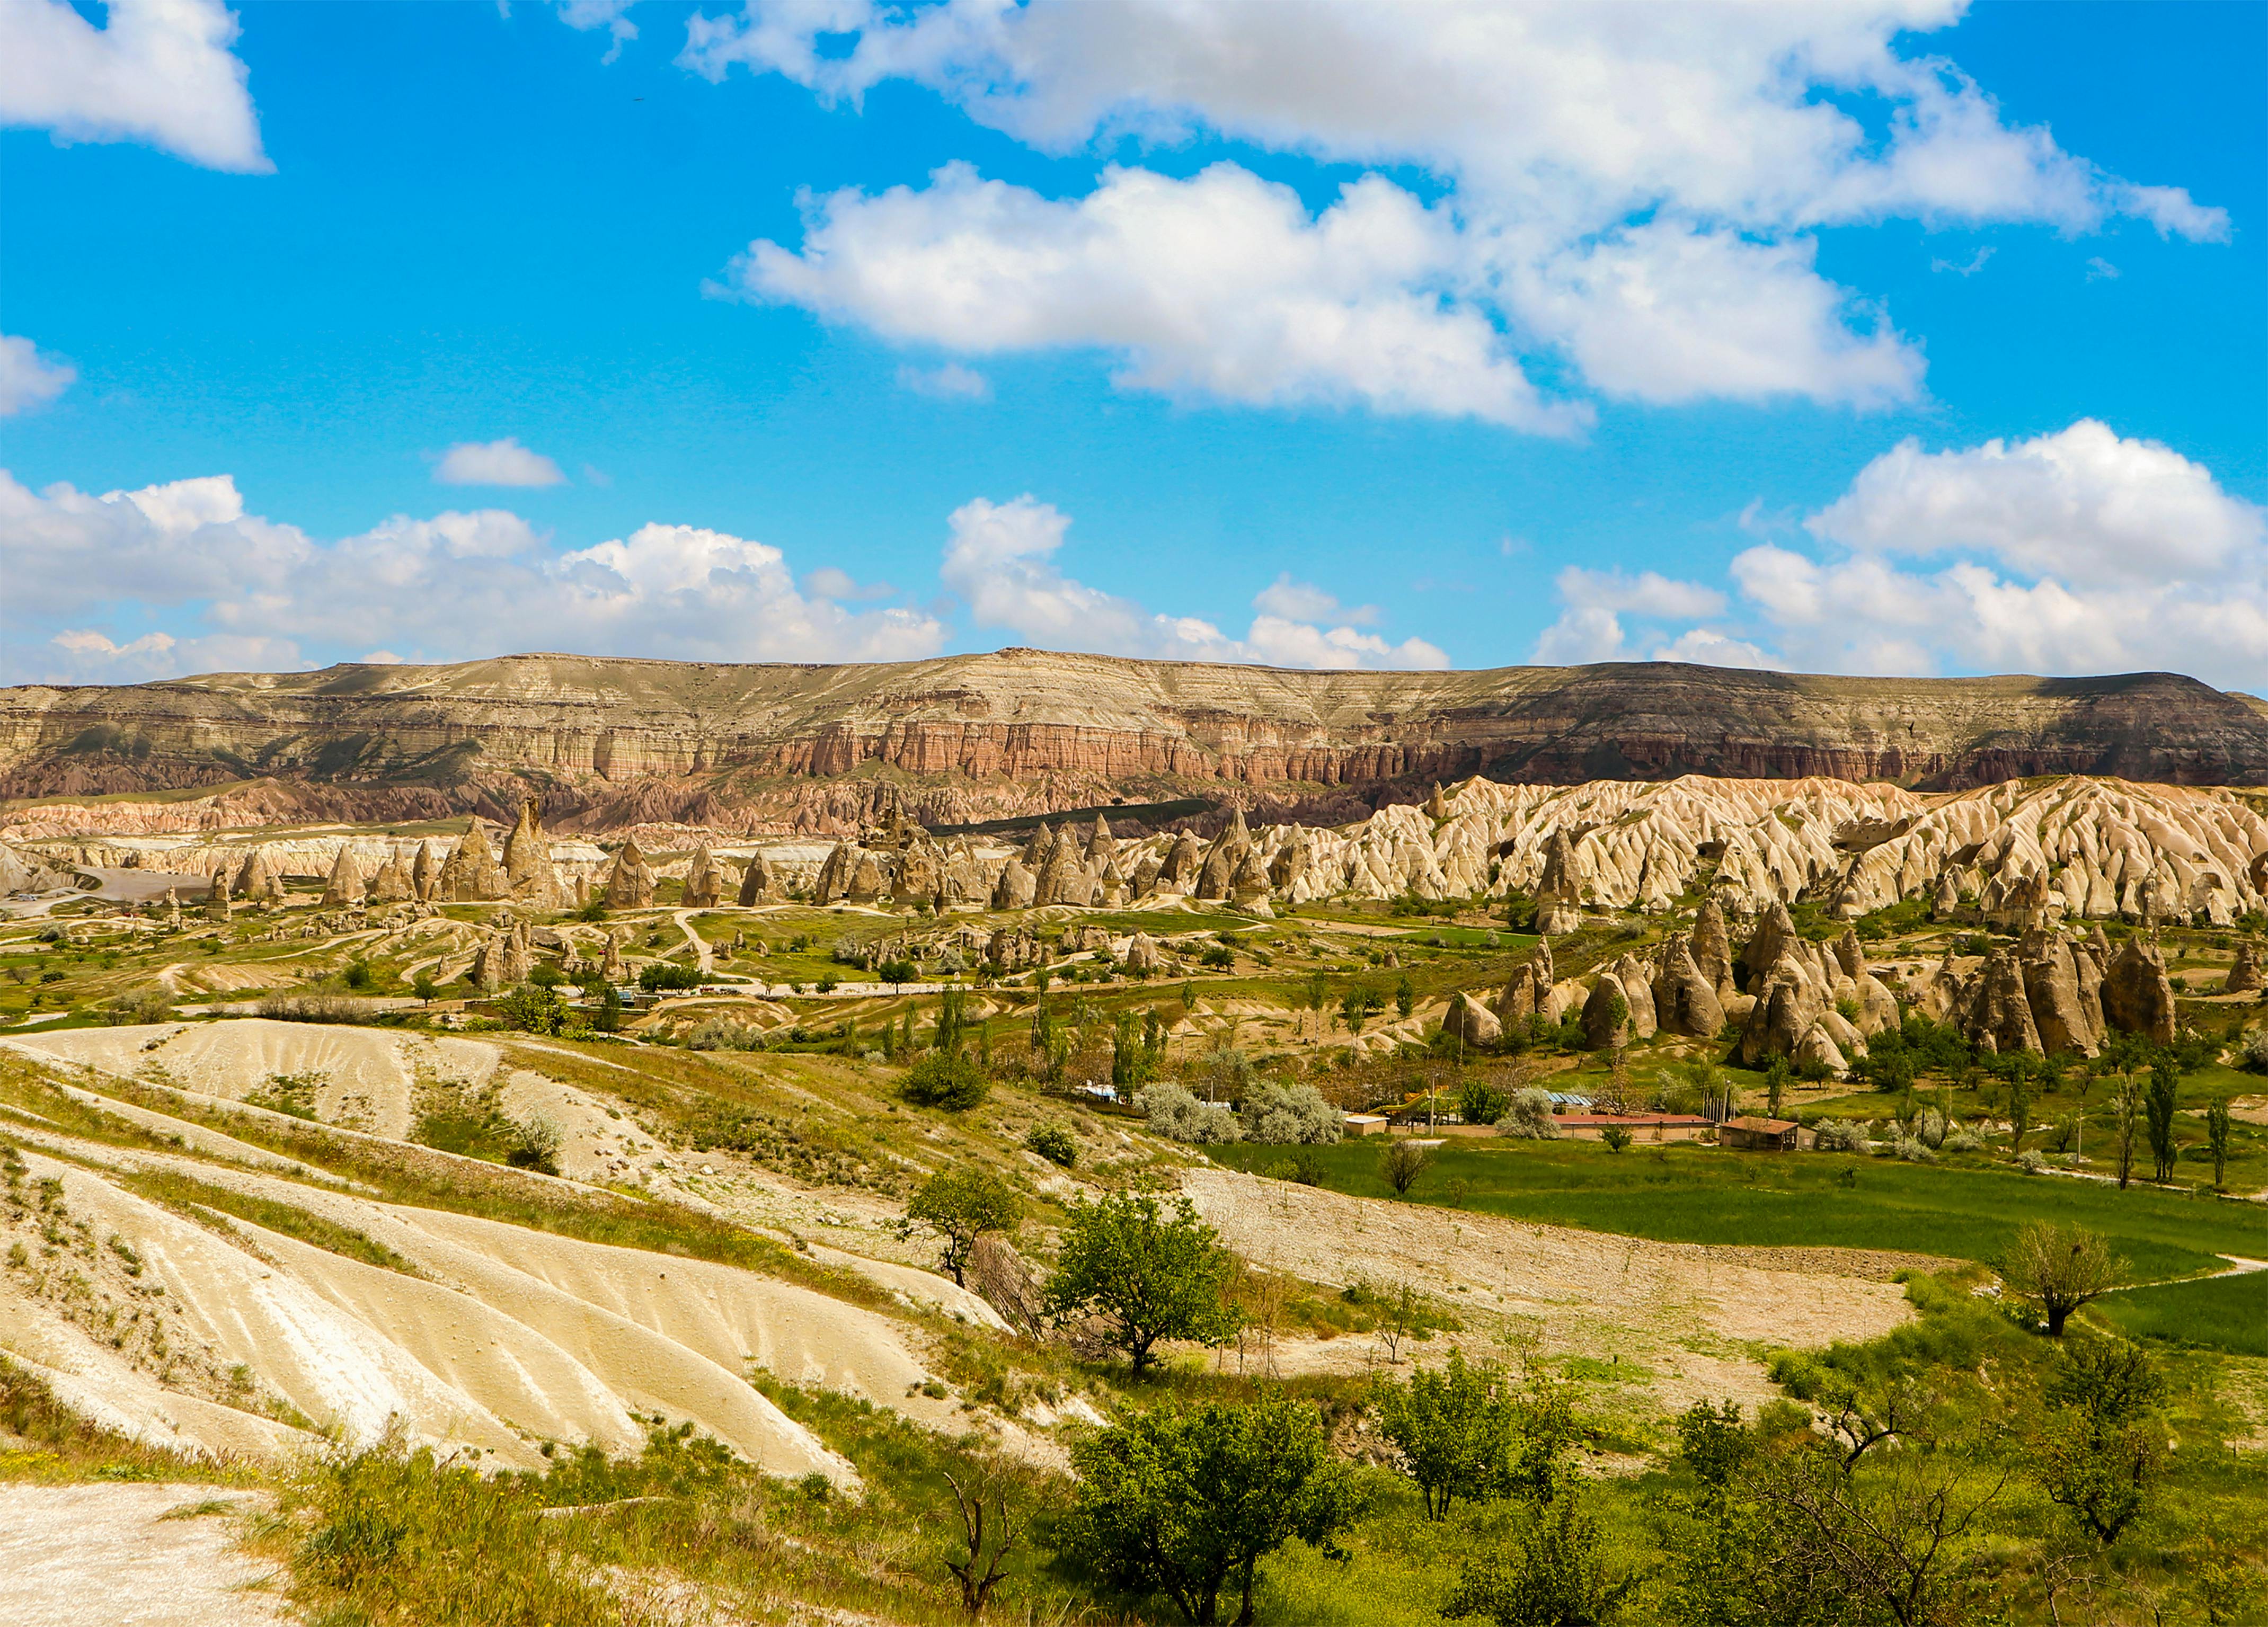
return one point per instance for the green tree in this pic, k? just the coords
(958, 1207)
(1186, 1503)
(533, 1010)
(2062, 1268)
(1775, 1074)
(1453, 1430)
(2163, 1099)
(952, 1020)
(2216, 1138)
(945, 1079)
(1552, 1574)
(1401, 1162)
(2103, 1447)
(608, 1018)
(1405, 996)
(2019, 1106)
(1480, 1102)
(1144, 1273)
(1318, 991)
(423, 986)
(1713, 1441)
(897, 973)
(1136, 1046)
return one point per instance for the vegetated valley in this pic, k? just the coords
(1701, 1203)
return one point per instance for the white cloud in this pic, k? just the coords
(2083, 504)
(453, 586)
(1970, 266)
(495, 463)
(1648, 593)
(1221, 285)
(2072, 553)
(952, 382)
(833, 582)
(28, 379)
(1000, 560)
(606, 14)
(1632, 190)
(1304, 601)
(159, 72)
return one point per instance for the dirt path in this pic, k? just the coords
(1686, 1321)
(684, 919)
(106, 1556)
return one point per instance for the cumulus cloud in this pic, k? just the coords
(495, 463)
(28, 379)
(606, 14)
(1221, 285)
(159, 72)
(1304, 601)
(1000, 560)
(1638, 200)
(455, 585)
(2081, 551)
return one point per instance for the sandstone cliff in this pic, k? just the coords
(607, 743)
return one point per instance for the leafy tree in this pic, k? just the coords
(1401, 1162)
(2216, 1138)
(1776, 1076)
(1144, 1273)
(608, 1018)
(532, 1009)
(1053, 1143)
(1713, 1441)
(1317, 990)
(2160, 1105)
(1553, 1573)
(2103, 1449)
(1405, 996)
(1135, 1047)
(952, 1020)
(945, 1079)
(668, 974)
(1186, 1503)
(2061, 1266)
(1453, 1429)
(960, 1206)
(423, 987)
(2126, 1053)
(546, 976)
(1480, 1102)
(1616, 1138)
(897, 973)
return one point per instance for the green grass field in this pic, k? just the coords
(1705, 1195)
(2222, 1313)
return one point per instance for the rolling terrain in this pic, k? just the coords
(609, 743)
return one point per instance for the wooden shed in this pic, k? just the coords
(1758, 1135)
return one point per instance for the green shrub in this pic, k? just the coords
(942, 1080)
(1053, 1143)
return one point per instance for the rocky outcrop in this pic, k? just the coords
(344, 889)
(1607, 1015)
(505, 958)
(1999, 1018)
(1015, 887)
(472, 872)
(392, 884)
(704, 884)
(1143, 957)
(630, 880)
(1469, 1020)
(528, 875)
(2244, 972)
(1712, 947)
(759, 884)
(259, 879)
(1685, 999)
(2066, 1009)
(1558, 890)
(598, 730)
(2137, 994)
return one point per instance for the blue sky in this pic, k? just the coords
(1333, 334)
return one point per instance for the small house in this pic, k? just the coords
(1367, 1123)
(1758, 1135)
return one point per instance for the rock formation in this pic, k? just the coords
(1712, 948)
(1607, 1014)
(703, 883)
(630, 880)
(259, 881)
(1685, 999)
(471, 873)
(759, 884)
(2137, 994)
(344, 889)
(1143, 956)
(1016, 887)
(2244, 973)
(392, 884)
(1558, 894)
(1468, 1020)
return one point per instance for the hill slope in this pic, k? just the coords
(1022, 731)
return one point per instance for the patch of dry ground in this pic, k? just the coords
(1686, 1318)
(106, 1555)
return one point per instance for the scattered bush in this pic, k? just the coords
(1529, 1118)
(2254, 1058)
(945, 1079)
(143, 1005)
(316, 1008)
(1177, 1116)
(1840, 1136)
(668, 974)
(1296, 1116)
(723, 1033)
(1053, 1143)
(2031, 1160)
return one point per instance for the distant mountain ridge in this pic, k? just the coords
(607, 741)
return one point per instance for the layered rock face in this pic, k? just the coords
(625, 741)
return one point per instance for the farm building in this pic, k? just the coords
(1760, 1135)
